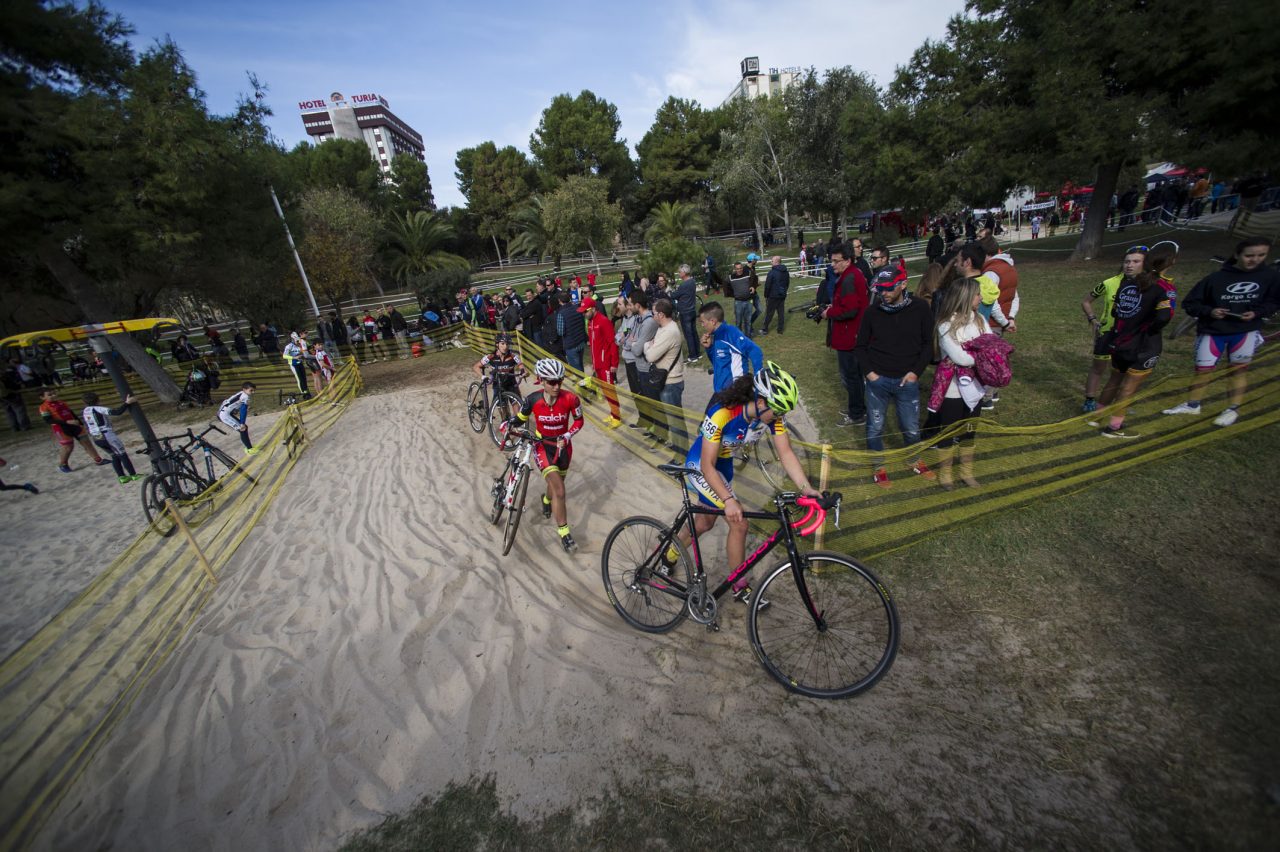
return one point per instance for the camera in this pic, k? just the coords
(815, 313)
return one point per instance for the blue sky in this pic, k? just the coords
(461, 73)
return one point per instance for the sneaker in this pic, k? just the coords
(612, 423)
(101, 462)
(988, 404)
(762, 333)
(124, 480)
(585, 383)
(846, 420)
(546, 507)
(922, 469)
(137, 476)
(1108, 432)
(1226, 418)
(1183, 408)
(1090, 405)
(252, 451)
(881, 478)
(691, 360)
(567, 542)
(31, 488)
(743, 596)
(63, 468)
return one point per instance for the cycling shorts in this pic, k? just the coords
(1238, 348)
(1139, 365)
(551, 461)
(1100, 350)
(697, 483)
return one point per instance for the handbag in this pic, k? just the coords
(656, 379)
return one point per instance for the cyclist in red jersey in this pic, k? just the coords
(557, 416)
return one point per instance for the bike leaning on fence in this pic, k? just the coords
(509, 488)
(177, 476)
(832, 632)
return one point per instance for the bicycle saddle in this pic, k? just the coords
(676, 470)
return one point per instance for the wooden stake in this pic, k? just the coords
(297, 414)
(191, 539)
(824, 474)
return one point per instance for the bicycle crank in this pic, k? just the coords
(702, 606)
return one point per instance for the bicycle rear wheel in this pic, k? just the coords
(178, 486)
(499, 493)
(852, 646)
(649, 594)
(504, 407)
(516, 510)
(475, 407)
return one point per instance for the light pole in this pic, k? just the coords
(289, 236)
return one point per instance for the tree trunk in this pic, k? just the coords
(594, 260)
(1095, 222)
(377, 284)
(786, 222)
(759, 236)
(497, 249)
(84, 292)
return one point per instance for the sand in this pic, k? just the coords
(368, 644)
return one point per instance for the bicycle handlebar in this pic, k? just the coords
(817, 506)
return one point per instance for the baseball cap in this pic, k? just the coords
(586, 303)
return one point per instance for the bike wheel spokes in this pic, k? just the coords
(516, 511)
(843, 654)
(504, 407)
(476, 407)
(647, 591)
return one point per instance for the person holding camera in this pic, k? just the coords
(844, 316)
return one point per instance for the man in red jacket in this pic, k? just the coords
(604, 357)
(849, 301)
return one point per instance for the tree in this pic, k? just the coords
(579, 136)
(666, 256)
(530, 231)
(341, 234)
(677, 153)
(580, 216)
(417, 246)
(496, 182)
(339, 163)
(751, 165)
(410, 185)
(674, 220)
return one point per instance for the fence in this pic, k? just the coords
(63, 692)
(1016, 466)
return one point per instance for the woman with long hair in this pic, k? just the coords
(959, 322)
(1142, 307)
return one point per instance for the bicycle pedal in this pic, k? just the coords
(713, 627)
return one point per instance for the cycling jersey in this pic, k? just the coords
(505, 370)
(1107, 292)
(729, 427)
(98, 419)
(1134, 340)
(559, 419)
(234, 411)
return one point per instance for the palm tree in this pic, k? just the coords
(531, 235)
(674, 220)
(417, 245)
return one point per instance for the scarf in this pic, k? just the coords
(893, 309)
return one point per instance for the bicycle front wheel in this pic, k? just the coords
(516, 510)
(766, 455)
(647, 590)
(851, 645)
(505, 405)
(475, 407)
(180, 487)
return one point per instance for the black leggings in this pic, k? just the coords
(120, 460)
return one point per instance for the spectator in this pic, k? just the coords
(848, 303)
(960, 323)
(804, 259)
(895, 344)
(182, 350)
(666, 372)
(337, 330)
(510, 315)
(399, 329)
(214, 336)
(624, 289)
(355, 333)
(1035, 226)
(732, 354)
(531, 316)
(708, 272)
(604, 357)
(386, 332)
(1199, 193)
(571, 331)
(627, 324)
(1142, 308)
(266, 340)
(14, 406)
(1054, 222)
(741, 290)
(641, 333)
(66, 429)
(686, 302)
(1125, 206)
(861, 262)
(776, 284)
(934, 249)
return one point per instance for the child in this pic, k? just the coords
(66, 430)
(24, 487)
(98, 419)
(325, 362)
(234, 412)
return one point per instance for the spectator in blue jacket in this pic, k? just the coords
(776, 284)
(572, 330)
(732, 353)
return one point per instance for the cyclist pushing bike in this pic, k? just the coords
(556, 416)
(506, 365)
(748, 403)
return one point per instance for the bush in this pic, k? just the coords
(667, 256)
(440, 285)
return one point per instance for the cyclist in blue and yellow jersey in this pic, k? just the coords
(758, 401)
(556, 416)
(506, 365)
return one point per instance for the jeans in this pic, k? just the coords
(574, 356)
(851, 378)
(775, 306)
(905, 398)
(742, 313)
(673, 395)
(691, 344)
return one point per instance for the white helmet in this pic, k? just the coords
(549, 368)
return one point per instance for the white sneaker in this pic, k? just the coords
(1226, 418)
(1183, 408)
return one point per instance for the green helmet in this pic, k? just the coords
(776, 387)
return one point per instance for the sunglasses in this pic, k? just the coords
(553, 382)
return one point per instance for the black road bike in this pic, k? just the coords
(509, 488)
(481, 410)
(820, 623)
(178, 477)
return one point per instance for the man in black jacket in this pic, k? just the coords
(895, 345)
(531, 315)
(776, 284)
(686, 299)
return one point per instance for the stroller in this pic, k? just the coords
(197, 390)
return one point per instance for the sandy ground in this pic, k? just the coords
(369, 644)
(57, 541)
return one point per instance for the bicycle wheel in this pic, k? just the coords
(231, 465)
(499, 492)
(853, 646)
(766, 456)
(649, 595)
(504, 407)
(475, 406)
(516, 510)
(179, 486)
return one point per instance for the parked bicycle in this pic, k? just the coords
(177, 476)
(833, 635)
(482, 410)
(509, 488)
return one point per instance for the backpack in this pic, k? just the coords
(991, 360)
